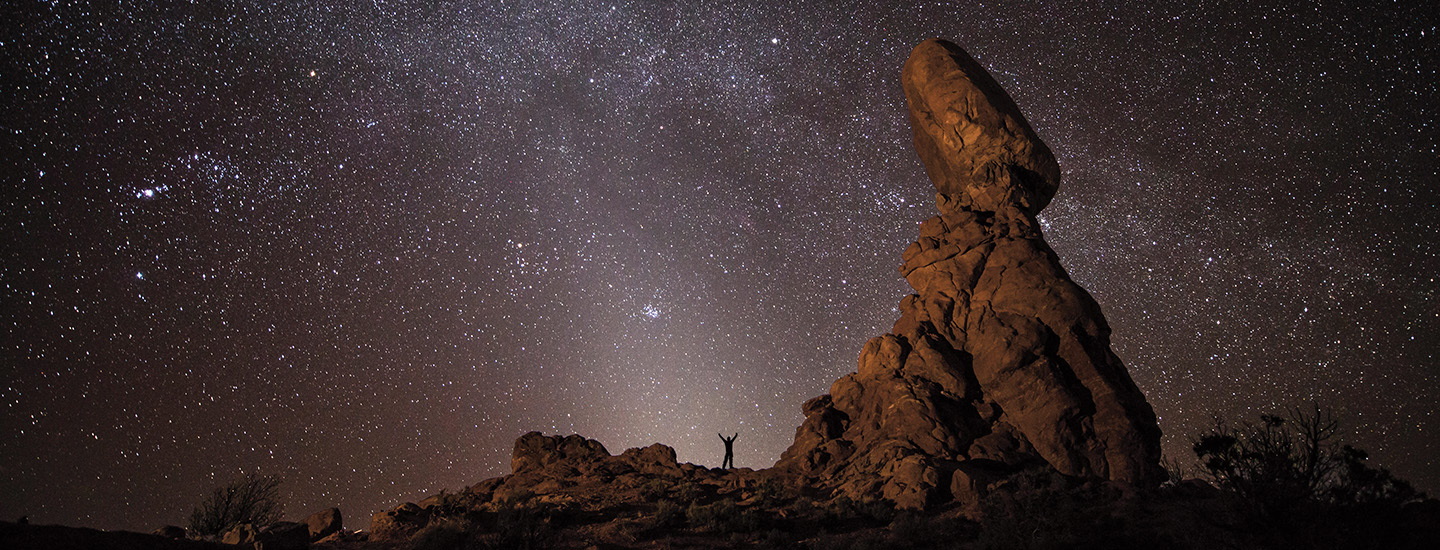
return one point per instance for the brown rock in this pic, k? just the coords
(655, 460)
(243, 533)
(321, 524)
(999, 359)
(398, 523)
(557, 471)
(567, 455)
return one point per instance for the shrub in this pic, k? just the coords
(845, 508)
(522, 527)
(722, 517)
(445, 534)
(1287, 461)
(1295, 484)
(252, 499)
(669, 514)
(654, 489)
(773, 493)
(689, 492)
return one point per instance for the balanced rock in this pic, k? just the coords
(999, 362)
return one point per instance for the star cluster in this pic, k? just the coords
(365, 245)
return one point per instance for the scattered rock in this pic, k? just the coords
(999, 362)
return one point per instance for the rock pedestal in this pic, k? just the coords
(999, 362)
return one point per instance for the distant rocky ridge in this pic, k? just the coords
(1000, 362)
(572, 473)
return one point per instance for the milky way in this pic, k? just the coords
(365, 245)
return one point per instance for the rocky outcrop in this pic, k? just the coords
(565, 472)
(999, 362)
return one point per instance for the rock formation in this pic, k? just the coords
(574, 473)
(999, 362)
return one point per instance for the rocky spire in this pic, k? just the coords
(999, 362)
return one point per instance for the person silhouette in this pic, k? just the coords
(729, 461)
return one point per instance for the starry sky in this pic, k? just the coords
(365, 245)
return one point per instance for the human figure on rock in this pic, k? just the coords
(729, 461)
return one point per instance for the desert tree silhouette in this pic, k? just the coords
(252, 499)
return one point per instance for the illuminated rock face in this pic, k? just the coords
(999, 363)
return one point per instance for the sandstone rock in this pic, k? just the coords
(999, 362)
(555, 471)
(398, 523)
(243, 533)
(321, 524)
(561, 455)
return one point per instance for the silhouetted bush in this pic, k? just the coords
(252, 499)
(1297, 486)
(522, 526)
(1282, 463)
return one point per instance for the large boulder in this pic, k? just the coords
(240, 534)
(999, 362)
(323, 523)
(572, 454)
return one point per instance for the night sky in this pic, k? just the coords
(365, 245)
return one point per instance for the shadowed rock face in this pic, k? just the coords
(999, 362)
